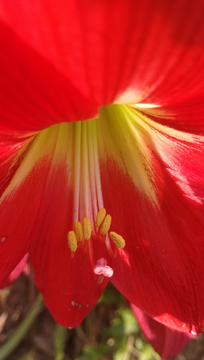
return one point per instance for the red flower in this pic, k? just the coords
(69, 60)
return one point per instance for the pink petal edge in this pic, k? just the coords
(21, 267)
(166, 341)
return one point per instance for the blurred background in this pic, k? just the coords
(109, 332)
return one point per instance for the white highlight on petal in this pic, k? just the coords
(129, 96)
(193, 333)
(133, 95)
(146, 106)
(102, 269)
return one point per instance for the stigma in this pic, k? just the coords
(84, 231)
(102, 270)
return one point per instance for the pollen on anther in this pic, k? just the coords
(72, 241)
(78, 230)
(100, 217)
(105, 225)
(86, 227)
(117, 239)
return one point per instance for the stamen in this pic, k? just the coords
(86, 226)
(72, 241)
(100, 217)
(117, 239)
(106, 225)
(78, 230)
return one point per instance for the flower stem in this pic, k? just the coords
(60, 338)
(18, 335)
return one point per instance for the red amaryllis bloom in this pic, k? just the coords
(64, 62)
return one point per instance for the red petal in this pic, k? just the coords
(34, 94)
(19, 209)
(16, 272)
(61, 60)
(166, 341)
(152, 182)
(15, 216)
(68, 284)
(39, 199)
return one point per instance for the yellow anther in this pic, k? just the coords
(72, 241)
(78, 230)
(86, 226)
(100, 217)
(117, 239)
(105, 225)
